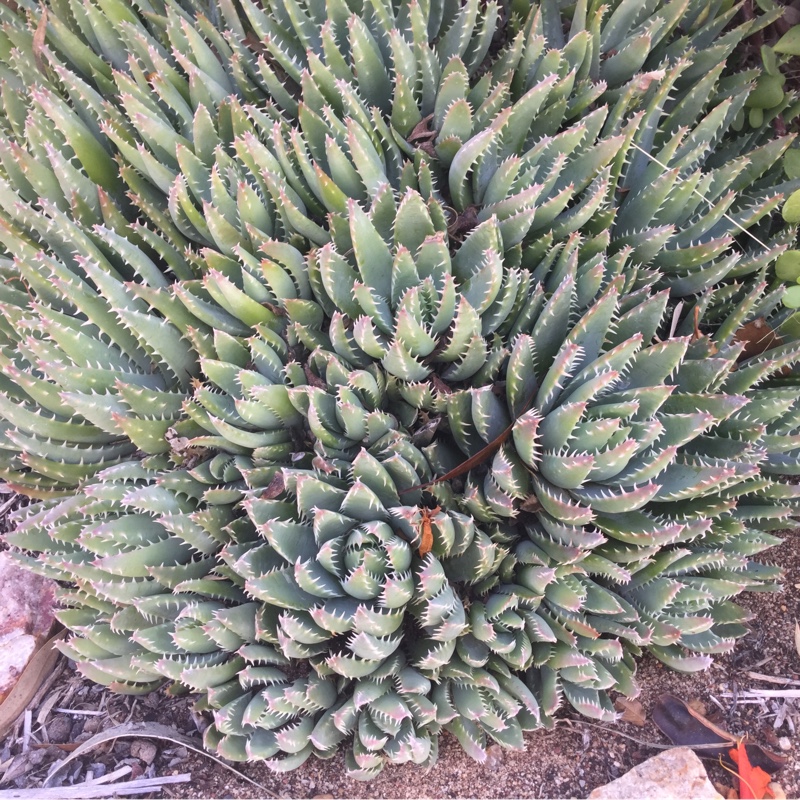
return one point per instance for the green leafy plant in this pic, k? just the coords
(390, 347)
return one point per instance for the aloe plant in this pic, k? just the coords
(391, 345)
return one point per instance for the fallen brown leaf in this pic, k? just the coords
(632, 711)
(686, 727)
(699, 706)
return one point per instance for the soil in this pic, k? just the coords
(570, 761)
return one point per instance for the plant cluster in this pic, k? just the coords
(375, 363)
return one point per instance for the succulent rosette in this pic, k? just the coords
(376, 365)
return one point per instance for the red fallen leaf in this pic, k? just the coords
(684, 726)
(753, 781)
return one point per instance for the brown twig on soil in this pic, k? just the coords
(654, 745)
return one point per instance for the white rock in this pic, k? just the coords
(26, 616)
(672, 775)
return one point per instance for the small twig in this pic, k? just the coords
(26, 730)
(654, 745)
(718, 704)
(79, 712)
(757, 676)
(130, 713)
(112, 776)
(96, 790)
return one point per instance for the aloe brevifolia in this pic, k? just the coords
(393, 341)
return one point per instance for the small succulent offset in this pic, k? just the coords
(375, 364)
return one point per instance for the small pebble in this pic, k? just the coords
(144, 751)
(59, 729)
(92, 725)
(784, 743)
(98, 769)
(494, 756)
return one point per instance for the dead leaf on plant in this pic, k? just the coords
(758, 337)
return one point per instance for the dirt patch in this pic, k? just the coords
(569, 761)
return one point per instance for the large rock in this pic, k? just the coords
(26, 617)
(673, 775)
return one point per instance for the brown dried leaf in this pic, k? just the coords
(38, 40)
(699, 706)
(439, 385)
(758, 337)
(275, 488)
(421, 130)
(632, 711)
(314, 380)
(531, 504)
(687, 728)
(464, 222)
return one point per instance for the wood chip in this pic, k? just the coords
(797, 637)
